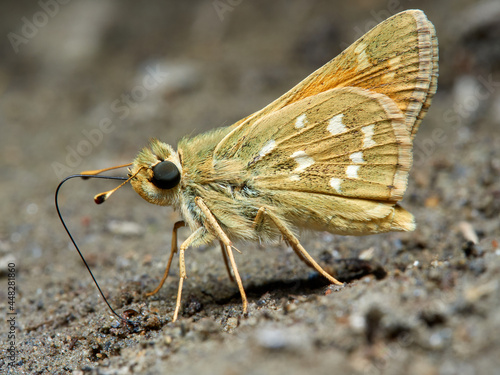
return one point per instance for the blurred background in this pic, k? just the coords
(85, 84)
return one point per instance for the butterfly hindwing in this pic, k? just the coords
(348, 142)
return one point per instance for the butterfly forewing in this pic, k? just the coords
(397, 58)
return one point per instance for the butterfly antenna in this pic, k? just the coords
(87, 175)
(102, 197)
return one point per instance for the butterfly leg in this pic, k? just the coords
(224, 256)
(173, 250)
(228, 245)
(182, 266)
(294, 243)
(259, 219)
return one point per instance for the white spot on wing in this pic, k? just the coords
(335, 126)
(294, 177)
(357, 157)
(303, 161)
(368, 132)
(335, 183)
(301, 121)
(268, 147)
(352, 171)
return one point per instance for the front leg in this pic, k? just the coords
(173, 250)
(195, 236)
(216, 230)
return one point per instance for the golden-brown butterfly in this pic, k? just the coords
(332, 154)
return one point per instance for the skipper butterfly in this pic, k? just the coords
(332, 154)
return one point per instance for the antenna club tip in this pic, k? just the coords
(100, 198)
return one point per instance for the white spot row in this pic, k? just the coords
(352, 170)
(335, 126)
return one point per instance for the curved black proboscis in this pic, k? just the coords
(76, 246)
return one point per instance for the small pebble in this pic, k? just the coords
(367, 254)
(231, 324)
(272, 338)
(125, 228)
(468, 232)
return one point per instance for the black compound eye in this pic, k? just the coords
(166, 175)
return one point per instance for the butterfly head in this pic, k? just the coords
(157, 173)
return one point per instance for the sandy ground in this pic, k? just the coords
(78, 92)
